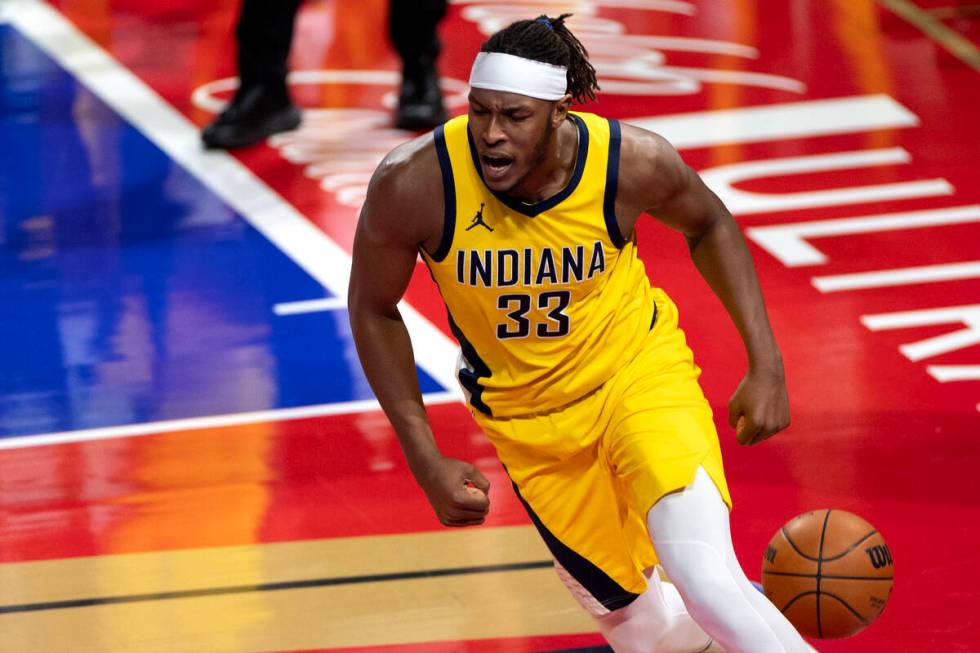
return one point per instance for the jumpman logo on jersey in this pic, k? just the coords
(478, 220)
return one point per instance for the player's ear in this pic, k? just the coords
(560, 110)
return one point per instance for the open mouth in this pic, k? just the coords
(495, 166)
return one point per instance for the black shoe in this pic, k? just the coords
(420, 100)
(253, 114)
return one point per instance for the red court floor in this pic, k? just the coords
(185, 464)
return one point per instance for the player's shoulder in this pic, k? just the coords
(644, 147)
(410, 170)
(649, 166)
(404, 199)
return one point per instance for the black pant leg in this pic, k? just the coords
(264, 34)
(412, 26)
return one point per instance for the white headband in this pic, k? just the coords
(496, 71)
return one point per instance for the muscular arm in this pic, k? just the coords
(670, 190)
(398, 216)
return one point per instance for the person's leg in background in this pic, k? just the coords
(412, 25)
(261, 106)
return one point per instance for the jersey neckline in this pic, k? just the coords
(532, 210)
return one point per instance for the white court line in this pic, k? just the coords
(210, 422)
(780, 121)
(788, 242)
(948, 373)
(897, 277)
(967, 315)
(310, 306)
(312, 250)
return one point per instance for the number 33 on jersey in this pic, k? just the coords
(547, 300)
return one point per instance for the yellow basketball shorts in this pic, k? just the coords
(589, 472)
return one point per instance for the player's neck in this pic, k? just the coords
(555, 170)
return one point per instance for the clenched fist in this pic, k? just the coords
(457, 491)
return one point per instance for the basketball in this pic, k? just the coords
(829, 571)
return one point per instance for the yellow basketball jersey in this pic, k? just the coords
(547, 300)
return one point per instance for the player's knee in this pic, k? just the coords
(639, 627)
(629, 630)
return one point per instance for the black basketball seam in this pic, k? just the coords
(796, 548)
(847, 605)
(833, 596)
(795, 599)
(823, 534)
(852, 547)
(790, 573)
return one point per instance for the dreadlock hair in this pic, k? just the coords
(547, 40)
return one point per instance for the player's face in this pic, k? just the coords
(511, 133)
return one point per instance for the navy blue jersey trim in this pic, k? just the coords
(607, 591)
(448, 194)
(471, 379)
(612, 181)
(531, 210)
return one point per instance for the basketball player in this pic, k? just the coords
(572, 363)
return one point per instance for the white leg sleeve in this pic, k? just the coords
(691, 535)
